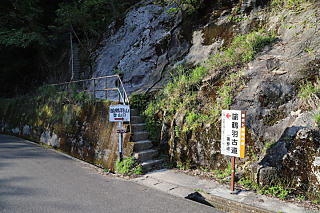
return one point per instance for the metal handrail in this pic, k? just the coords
(124, 98)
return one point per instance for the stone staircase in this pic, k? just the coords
(76, 62)
(144, 150)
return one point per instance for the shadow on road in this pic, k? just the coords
(17, 179)
(12, 187)
(11, 147)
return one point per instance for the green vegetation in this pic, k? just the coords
(308, 90)
(242, 49)
(73, 116)
(71, 95)
(252, 153)
(248, 183)
(309, 94)
(35, 35)
(128, 166)
(192, 102)
(222, 174)
(153, 125)
(139, 101)
(280, 189)
(277, 190)
(301, 197)
(237, 18)
(315, 197)
(188, 7)
(201, 190)
(179, 94)
(22, 23)
(317, 117)
(46, 105)
(198, 190)
(183, 166)
(294, 5)
(267, 146)
(87, 20)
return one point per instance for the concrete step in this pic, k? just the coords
(138, 127)
(150, 164)
(146, 155)
(136, 119)
(134, 112)
(140, 136)
(142, 145)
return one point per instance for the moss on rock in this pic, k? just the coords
(81, 126)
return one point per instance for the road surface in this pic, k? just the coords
(38, 180)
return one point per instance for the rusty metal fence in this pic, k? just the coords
(100, 84)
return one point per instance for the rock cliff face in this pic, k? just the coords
(141, 49)
(151, 42)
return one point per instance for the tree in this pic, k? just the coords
(87, 20)
(35, 33)
(24, 23)
(24, 40)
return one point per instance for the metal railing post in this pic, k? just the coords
(118, 86)
(122, 94)
(106, 87)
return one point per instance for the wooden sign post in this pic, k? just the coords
(233, 130)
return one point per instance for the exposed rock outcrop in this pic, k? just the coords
(149, 40)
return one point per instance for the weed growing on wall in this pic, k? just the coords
(317, 117)
(188, 7)
(242, 49)
(308, 90)
(45, 106)
(187, 102)
(294, 5)
(309, 94)
(178, 95)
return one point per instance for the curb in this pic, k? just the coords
(227, 205)
(214, 201)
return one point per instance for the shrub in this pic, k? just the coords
(128, 166)
(139, 101)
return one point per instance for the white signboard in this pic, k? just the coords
(233, 128)
(119, 113)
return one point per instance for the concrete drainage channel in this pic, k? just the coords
(223, 204)
(196, 196)
(195, 189)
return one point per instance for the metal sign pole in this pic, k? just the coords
(232, 173)
(119, 113)
(120, 142)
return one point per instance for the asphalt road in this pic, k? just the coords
(37, 179)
